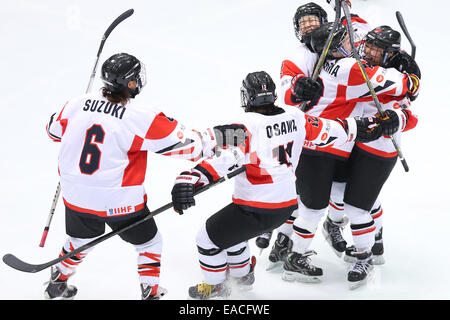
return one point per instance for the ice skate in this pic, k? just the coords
(332, 231)
(155, 292)
(57, 288)
(298, 267)
(280, 249)
(263, 241)
(361, 270)
(245, 283)
(204, 291)
(377, 251)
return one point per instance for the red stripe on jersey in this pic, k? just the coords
(103, 214)
(356, 78)
(205, 165)
(60, 114)
(361, 232)
(255, 174)
(339, 108)
(354, 19)
(332, 150)
(288, 68)
(134, 173)
(266, 205)
(64, 125)
(161, 127)
(376, 152)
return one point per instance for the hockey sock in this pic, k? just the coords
(238, 259)
(67, 266)
(362, 226)
(149, 260)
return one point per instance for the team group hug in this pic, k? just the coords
(314, 149)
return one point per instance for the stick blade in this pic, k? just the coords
(15, 263)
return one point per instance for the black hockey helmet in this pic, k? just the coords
(319, 39)
(120, 69)
(258, 91)
(385, 38)
(309, 9)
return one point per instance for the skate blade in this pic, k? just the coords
(294, 276)
(47, 297)
(272, 265)
(378, 260)
(327, 238)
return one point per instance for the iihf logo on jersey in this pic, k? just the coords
(120, 210)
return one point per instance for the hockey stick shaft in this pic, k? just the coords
(20, 265)
(108, 31)
(402, 24)
(324, 53)
(367, 80)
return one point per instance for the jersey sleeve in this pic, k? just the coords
(388, 84)
(166, 136)
(324, 132)
(57, 125)
(300, 64)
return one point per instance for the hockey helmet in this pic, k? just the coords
(384, 38)
(309, 9)
(258, 91)
(319, 39)
(120, 69)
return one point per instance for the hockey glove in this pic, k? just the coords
(392, 121)
(362, 129)
(403, 62)
(306, 89)
(230, 135)
(183, 191)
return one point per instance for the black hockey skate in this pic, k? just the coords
(263, 240)
(361, 270)
(298, 267)
(245, 283)
(332, 232)
(377, 251)
(57, 288)
(280, 249)
(204, 291)
(155, 292)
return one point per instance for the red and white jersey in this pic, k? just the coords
(103, 155)
(383, 147)
(271, 154)
(345, 90)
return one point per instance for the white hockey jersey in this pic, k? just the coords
(271, 154)
(103, 155)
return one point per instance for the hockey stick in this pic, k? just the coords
(324, 53)
(401, 22)
(20, 265)
(114, 24)
(366, 78)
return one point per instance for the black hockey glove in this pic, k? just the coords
(230, 135)
(183, 191)
(390, 122)
(403, 62)
(368, 129)
(306, 89)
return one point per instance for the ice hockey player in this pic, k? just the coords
(293, 80)
(105, 137)
(300, 64)
(375, 160)
(344, 92)
(265, 195)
